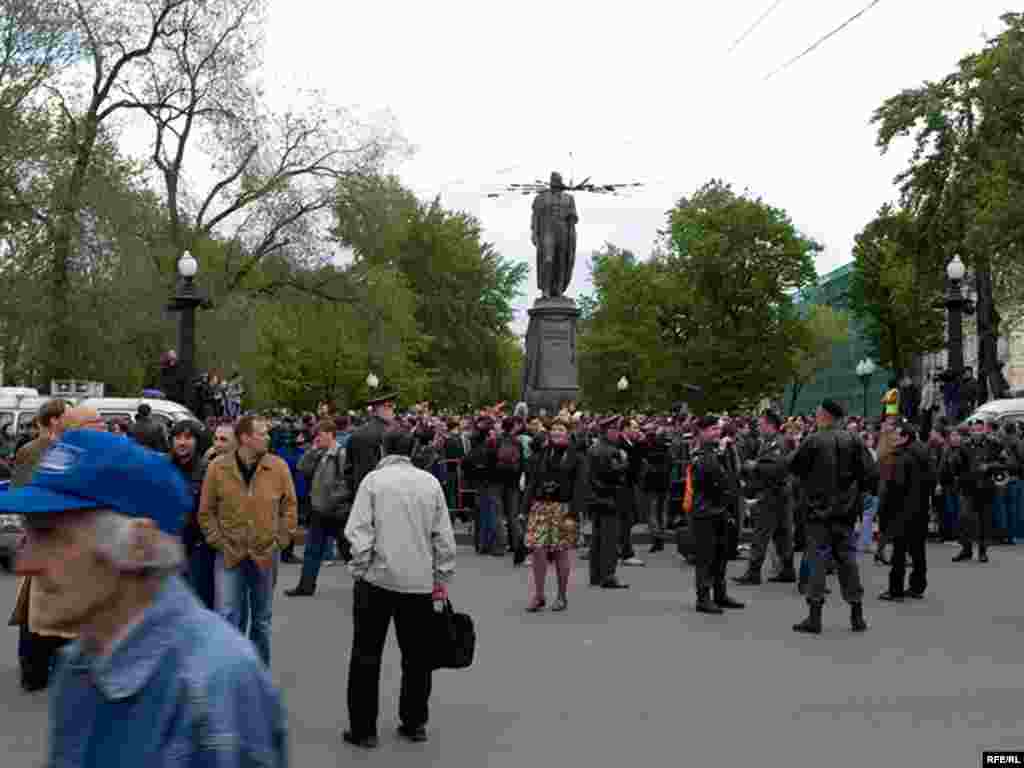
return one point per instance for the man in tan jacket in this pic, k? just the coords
(248, 513)
(38, 642)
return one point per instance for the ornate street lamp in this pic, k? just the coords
(184, 302)
(956, 306)
(865, 370)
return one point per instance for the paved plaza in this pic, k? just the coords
(636, 678)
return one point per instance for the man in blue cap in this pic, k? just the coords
(103, 518)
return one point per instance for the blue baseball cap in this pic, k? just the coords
(88, 469)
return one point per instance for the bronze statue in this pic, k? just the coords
(554, 237)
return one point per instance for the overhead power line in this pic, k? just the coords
(755, 25)
(838, 29)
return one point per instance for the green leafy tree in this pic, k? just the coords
(315, 349)
(464, 288)
(822, 330)
(964, 182)
(618, 332)
(732, 264)
(893, 291)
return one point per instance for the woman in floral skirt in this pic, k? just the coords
(551, 525)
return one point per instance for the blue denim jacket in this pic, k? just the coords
(182, 690)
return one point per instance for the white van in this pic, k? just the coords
(18, 407)
(999, 411)
(166, 412)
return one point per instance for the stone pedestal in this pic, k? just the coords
(550, 374)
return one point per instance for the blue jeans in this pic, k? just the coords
(1015, 509)
(243, 592)
(200, 573)
(487, 521)
(1001, 512)
(867, 527)
(316, 550)
(951, 515)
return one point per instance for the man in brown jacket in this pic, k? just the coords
(248, 512)
(37, 643)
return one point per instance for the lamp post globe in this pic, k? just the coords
(184, 302)
(623, 384)
(865, 370)
(187, 266)
(372, 381)
(956, 270)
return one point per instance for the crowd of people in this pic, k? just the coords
(218, 506)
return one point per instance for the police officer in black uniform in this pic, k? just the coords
(607, 468)
(363, 452)
(982, 457)
(713, 494)
(767, 476)
(834, 468)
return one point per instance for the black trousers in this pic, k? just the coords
(372, 611)
(627, 502)
(912, 542)
(832, 539)
(711, 545)
(976, 520)
(604, 543)
(773, 521)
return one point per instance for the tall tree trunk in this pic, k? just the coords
(991, 382)
(60, 361)
(795, 390)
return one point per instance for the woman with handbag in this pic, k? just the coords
(551, 524)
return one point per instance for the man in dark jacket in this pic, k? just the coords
(187, 451)
(713, 498)
(607, 469)
(363, 452)
(148, 432)
(506, 463)
(656, 481)
(903, 509)
(767, 475)
(330, 498)
(982, 455)
(172, 378)
(833, 468)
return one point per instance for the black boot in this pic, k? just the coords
(704, 604)
(657, 546)
(722, 600)
(751, 578)
(787, 575)
(982, 556)
(857, 623)
(302, 590)
(965, 554)
(812, 624)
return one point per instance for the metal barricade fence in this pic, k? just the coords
(461, 500)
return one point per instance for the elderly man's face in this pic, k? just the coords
(75, 583)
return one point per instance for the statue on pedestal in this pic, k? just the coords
(554, 236)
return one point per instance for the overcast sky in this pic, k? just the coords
(641, 91)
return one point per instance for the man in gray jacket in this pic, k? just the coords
(329, 496)
(403, 557)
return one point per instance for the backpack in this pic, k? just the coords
(688, 493)
(510, 454)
